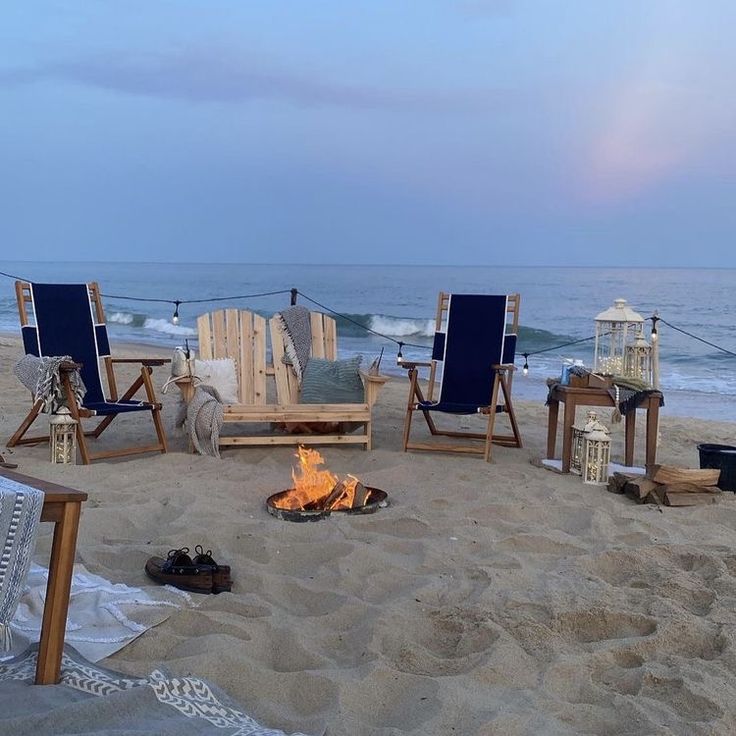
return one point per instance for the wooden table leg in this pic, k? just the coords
(652, 428)
(630, 432)
(552, 415)
(567, 422)
(51, 646)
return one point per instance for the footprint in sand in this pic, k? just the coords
(404, 527)
(677, 695)
(441, 643)
(595, 625)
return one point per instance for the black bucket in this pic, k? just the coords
(722, 457)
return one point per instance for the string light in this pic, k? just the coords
(175, 318)
(654, 319)
(399, 355)
(525, 369)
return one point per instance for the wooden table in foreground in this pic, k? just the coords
(62, 506)
(572, 397)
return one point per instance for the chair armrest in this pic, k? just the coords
(409, 364)
(372, 385)
(70, 366)
(379, 380)
(504, 367)
(143, 361)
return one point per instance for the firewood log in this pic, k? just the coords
(688, 498)
(671, 474)
(640, 488)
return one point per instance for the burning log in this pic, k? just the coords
(321, 490)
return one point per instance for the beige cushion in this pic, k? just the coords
(220, 374)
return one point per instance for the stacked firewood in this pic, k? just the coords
(667, 485)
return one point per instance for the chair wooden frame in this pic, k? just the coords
(242, 336)
(24, 297)
(502, 380)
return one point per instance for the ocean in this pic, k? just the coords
(558, 305)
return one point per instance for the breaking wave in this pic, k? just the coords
(153, 324)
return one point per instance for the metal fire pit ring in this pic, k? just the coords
(377, 500)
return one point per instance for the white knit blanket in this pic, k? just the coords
(20, 514)
(103, 616)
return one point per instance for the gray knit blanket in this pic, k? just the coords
(20, 515)
(42, 377)
(296, 327)
(202, 419)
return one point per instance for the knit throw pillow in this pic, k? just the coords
(332, 382)
(220, 374)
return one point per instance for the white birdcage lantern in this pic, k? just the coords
(615, 328)
(63, 437)
(638, 359)
(596, 454)
(578, 434)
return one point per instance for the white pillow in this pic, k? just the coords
(220, 374)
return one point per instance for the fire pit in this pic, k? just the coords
(317, 493)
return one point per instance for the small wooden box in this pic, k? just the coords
(579, 381)
(591, 380)
(596, 381)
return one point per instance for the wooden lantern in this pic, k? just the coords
(638, 359)
(578, 435)
(596, 454)
(63, 437)
(615, 328)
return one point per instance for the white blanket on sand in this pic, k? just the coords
(103, 616)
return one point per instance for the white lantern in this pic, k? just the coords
(615, 328)
(638, 359)
(578, 434)
(63, 437)
(596, 454)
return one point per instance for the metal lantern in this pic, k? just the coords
(596, 454)
(578, 434)
(615, 328)
(63, 437)
(638, 359)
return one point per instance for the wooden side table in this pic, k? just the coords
(62, 506)
(572, 397)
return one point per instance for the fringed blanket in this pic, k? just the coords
(41, 376)
(296, 327)
(628, 399)
(91, 699)
(20, 514)
(202, 418)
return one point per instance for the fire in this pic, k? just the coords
(316, 488)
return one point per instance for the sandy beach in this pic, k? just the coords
(487, 600)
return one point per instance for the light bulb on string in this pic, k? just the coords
(175, 318)
(654, 319)
(525, 369)
(399, 355)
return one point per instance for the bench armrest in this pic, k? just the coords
(143, 361)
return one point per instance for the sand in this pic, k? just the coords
(499, 599)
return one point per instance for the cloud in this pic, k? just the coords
(209, 76)
(666, 117)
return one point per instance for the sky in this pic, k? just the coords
(494, 132)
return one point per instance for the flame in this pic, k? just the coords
(313, 487)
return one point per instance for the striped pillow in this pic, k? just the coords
(332, 382)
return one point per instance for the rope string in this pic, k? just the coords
(695, 337)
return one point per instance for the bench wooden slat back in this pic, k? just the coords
(240, 335)
(324, 345)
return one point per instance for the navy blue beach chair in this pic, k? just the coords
(473, 351)
(68, 319)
